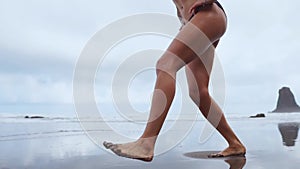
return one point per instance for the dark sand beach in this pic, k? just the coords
(272, 142)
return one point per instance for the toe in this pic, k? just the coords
(218, 155)
(116, 151)
(107, 145)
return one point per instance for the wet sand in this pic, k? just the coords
(272, 142)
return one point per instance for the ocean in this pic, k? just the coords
(56, 141)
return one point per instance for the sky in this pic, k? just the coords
(42, 40)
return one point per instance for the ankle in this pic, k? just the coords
(236, 144)
(147, 142)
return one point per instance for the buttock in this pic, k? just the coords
(199, 8)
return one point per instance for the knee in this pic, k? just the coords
(199, 95)
(169, 64)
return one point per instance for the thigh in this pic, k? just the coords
(198, 71)
(196, 37)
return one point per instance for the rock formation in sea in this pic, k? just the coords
(286, 101)
(34, 117)
(260, 115)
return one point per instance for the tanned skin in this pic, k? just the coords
(212, 22)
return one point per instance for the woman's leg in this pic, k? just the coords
(192, 41)
(198, 74)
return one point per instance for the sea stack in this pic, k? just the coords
(286, 101)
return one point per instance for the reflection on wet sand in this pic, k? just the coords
(289, 133)
(237, 162)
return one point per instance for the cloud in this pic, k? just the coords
(41, 41)
(259, 53)
(22, 88)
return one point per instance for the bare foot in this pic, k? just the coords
(139, 150)
(232, 150)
